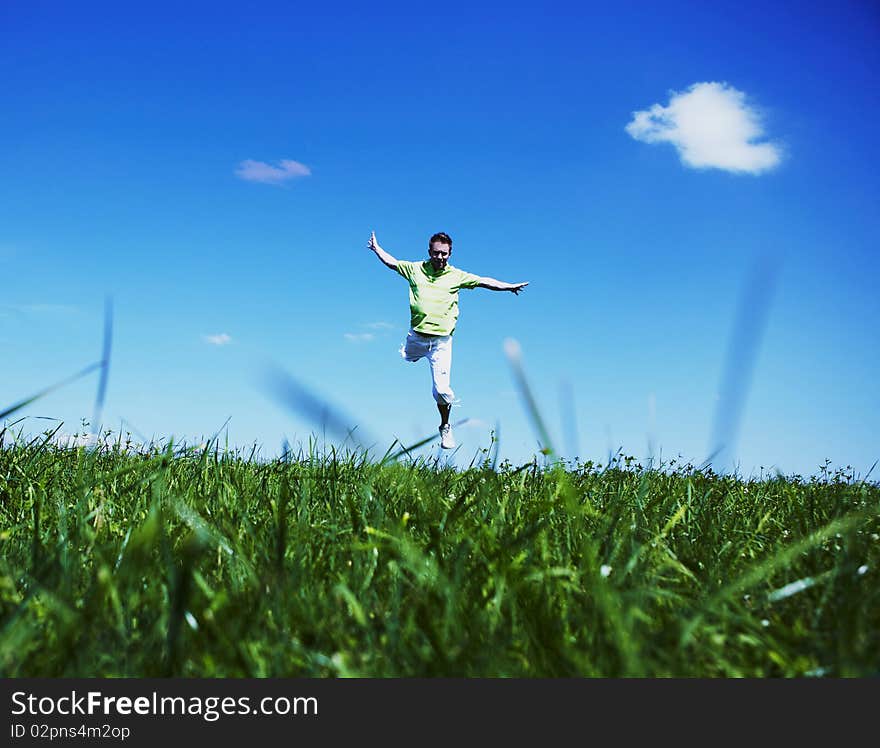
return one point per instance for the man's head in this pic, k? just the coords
(439, 250)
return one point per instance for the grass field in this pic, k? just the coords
(210, 563)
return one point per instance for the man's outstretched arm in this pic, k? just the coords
(386, 258)
(497, 285)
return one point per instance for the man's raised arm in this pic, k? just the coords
(386, 258)
(497, 285)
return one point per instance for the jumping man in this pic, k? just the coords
(433, 306)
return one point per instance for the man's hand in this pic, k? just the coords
(496, 285)
(386, 258)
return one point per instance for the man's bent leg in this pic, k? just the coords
(414, 348)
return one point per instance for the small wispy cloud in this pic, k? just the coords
(711, 126)
(40, 309)
(40, 313)
(475, 423)
(219, 339)
(380, 328)
(259, 171)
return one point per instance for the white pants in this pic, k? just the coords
(438, 350)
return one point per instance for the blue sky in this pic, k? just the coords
(691, 192)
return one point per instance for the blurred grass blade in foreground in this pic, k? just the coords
(302, 401)
(569, 422)
(105, 366)
(421, 443)
(742, 352)
(513, 351)
(42, 393)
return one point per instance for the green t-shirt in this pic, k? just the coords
(433, 296)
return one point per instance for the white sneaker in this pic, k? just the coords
(447, 440)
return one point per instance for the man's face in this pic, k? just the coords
(439, 254)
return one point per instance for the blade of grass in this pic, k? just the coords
(514, 356)
(105, 366)
(51, 388)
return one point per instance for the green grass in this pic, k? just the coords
(211, 563)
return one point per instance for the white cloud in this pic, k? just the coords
(72, 441)
(220, 339)
(359, 337)
(379, 326)
(259, 171)
(712, 127)
(91, 441)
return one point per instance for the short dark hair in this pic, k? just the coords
(441, 237)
